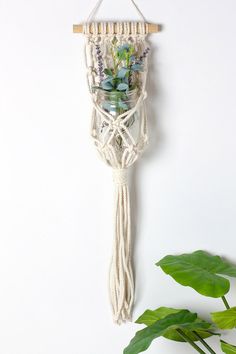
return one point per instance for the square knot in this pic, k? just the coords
(120, 176)
(115, 124)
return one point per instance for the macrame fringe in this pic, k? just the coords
(121, 274)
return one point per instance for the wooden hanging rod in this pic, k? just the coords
(152, 28)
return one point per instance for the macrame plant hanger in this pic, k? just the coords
(120, 138)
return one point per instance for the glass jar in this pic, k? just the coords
(116, 103)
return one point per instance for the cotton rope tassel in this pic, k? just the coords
(121, 274)
(104, 130)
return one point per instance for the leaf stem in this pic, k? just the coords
(190, 341)
(204, 343)
(225, 302)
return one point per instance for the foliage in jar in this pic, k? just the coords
(121, 77)
(122, 74)
(118, 84)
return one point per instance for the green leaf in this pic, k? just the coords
(225, 319)
(107, 84)
(200, 270)
(228, 348)
(143, 339)
(108, 72)
(122, 73)
(122, 87)
(125, 47)
(121, 54)
(149, 317)
(183, 320)
(109, 79)
(137, 67)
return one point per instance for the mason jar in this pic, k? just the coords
(117, 103)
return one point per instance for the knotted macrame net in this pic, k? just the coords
(120, 139)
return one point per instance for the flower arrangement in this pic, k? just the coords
(121, 79)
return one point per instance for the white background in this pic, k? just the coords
(56, 196)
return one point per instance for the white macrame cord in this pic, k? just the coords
(98, 4)
(130, 129)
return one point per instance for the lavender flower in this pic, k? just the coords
(144, 54)
(137, 64)
(100, 63)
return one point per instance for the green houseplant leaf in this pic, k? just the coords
(181, 320)
(228, 348)
(149, 317)
(200, 271)
(225, 319)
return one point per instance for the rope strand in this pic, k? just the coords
(98, 4)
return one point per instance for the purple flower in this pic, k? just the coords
(100, 63)
(144, 54)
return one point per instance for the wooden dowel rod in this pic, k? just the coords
(152, 28)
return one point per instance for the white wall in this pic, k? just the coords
(56, 195)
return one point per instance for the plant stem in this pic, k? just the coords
(225, 302)
(204, 343)
(114, 61)
(190, 341)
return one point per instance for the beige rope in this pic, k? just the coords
(121, 274)
(121, 282)
(98, 4)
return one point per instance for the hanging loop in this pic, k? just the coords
(98, 4)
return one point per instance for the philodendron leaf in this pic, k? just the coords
(225, 319)
(200, 271)
(149, 317)
(143, 339)
(228, 348)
